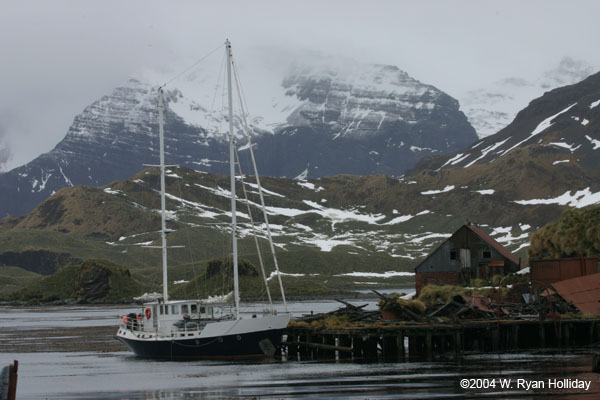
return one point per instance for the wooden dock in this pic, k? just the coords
(424, 341)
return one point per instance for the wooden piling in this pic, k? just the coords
(401, 352)
(357, 347)
(429, 340)
(458, 345)
(370, 349)
(495, 336)
(429, 345)
(345, 341)
(567, 334)
(12, 380)
(389, 348)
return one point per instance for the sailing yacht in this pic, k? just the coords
(195, 329)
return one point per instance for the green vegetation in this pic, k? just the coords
(218, 281)
(432, 294)
(13, 279)
(94, 281)
(577, 232)
(395, 304)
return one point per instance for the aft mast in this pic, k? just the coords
(163, 231)
(236, 289)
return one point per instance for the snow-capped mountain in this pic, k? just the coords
(549, 155)
(312, 121)
(491, 108)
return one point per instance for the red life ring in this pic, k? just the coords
(148, 313)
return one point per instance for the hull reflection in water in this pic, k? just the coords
(117, 375)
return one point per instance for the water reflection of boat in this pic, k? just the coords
(191, 329)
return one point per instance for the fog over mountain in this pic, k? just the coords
(492, 107)
(60, 56)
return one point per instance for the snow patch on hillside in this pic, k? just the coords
(542, 126)
(444, 190)
(386, 274)
(581, 198)
(595, 142)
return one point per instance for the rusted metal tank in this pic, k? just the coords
(546, 272)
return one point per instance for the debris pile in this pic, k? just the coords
(518, 302)
(349, 314)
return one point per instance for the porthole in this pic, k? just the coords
(220, 340)
(197, 341)
(238, 337)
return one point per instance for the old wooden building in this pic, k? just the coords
(469, 253)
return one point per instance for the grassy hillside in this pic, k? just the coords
(15, 278)
(91, 282)
(324, 229)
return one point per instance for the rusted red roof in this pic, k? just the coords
(490, 240)
(583, 292)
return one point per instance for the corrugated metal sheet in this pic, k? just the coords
(583, 292)
(545, 272)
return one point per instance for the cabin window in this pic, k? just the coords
(194, 309)
(174, 309)
(184, 309)
(486, 254)
(162, 311)
(202, 310)
(166, 310)
(453, 254)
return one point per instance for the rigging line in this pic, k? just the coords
(212, 106)
(187, 235)
(260, 259)
(260, 191)
(242, 96)
(193, 65)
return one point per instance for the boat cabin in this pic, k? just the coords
(175, 316)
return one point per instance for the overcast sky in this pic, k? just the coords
(56, 57)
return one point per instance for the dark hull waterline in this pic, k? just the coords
(246, 345)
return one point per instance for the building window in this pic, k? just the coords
(184, 309)
(486, 254)
(453, 254)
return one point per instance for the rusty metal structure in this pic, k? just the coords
(547, 272)
(583, 292)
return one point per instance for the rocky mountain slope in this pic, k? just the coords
(320, 120)
(547, 155)
(494, 106)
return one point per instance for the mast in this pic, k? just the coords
(236, 290)
(163, 230)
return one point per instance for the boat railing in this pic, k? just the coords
(134, 324)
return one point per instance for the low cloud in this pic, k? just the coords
(5, 152)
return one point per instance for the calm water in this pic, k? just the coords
(106, 373)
